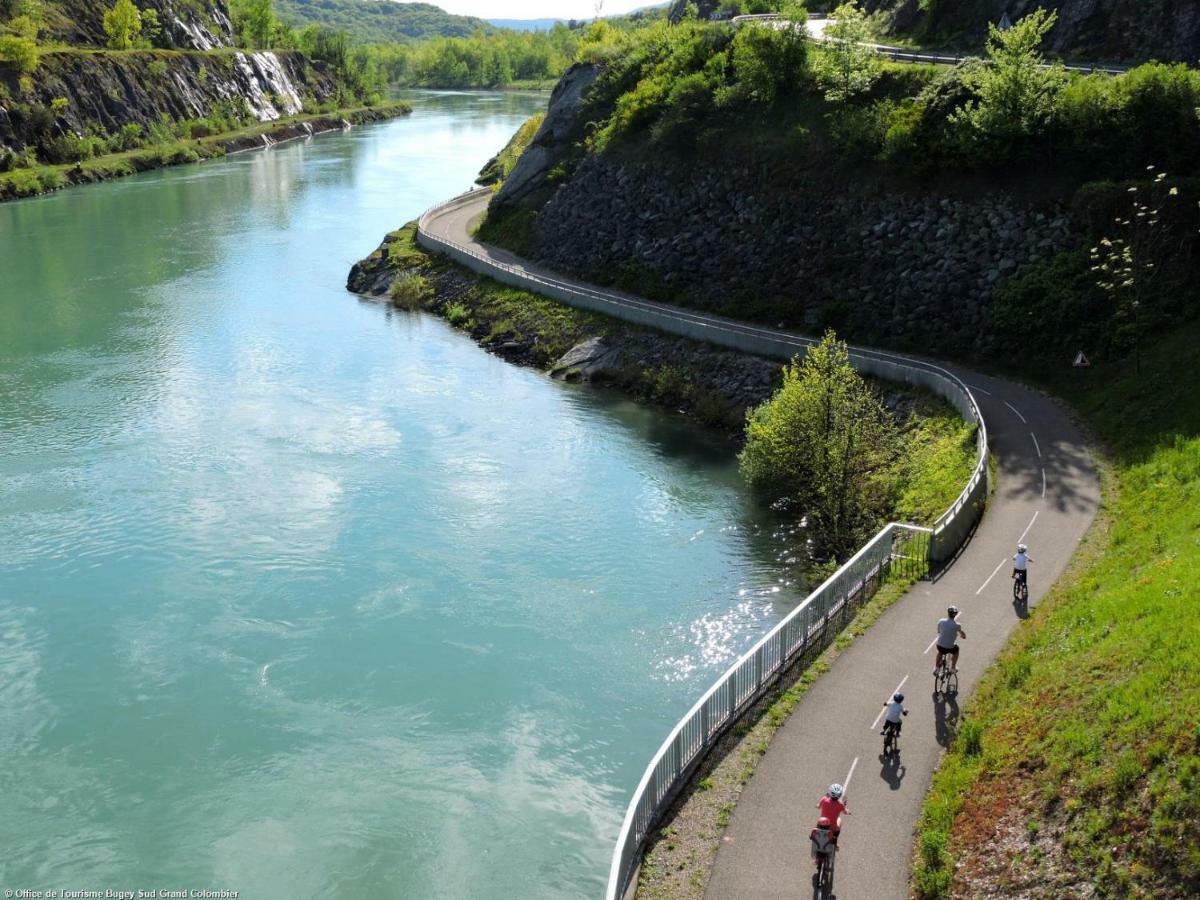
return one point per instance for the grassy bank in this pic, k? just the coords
(1078, 765)
(32, 180)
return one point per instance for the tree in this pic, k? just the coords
(848, 64)
(1016, 91)
(254, 21)
(824, 442)
(122, 25)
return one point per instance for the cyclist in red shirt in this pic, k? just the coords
(832, 807)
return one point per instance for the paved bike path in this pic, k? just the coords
(1046, 492)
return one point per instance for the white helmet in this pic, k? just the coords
(1021, 548)
(835, 791)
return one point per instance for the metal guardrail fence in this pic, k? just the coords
(911, 551)
(901, 55)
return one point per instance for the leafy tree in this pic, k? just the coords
(254, 21)
(1016, 92)
(824, 442)
(123, 25)
(847, 65)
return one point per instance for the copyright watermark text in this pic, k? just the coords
(116, 894)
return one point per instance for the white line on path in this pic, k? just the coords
(930, 647)
(896, 691)
(1036, 445)
(1043, 481)
(976, 387)
(993, 575)
(1027, 527)
(849, 775)
(1017, 411)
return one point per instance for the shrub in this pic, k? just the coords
(410, 291)
(157, 68)
(20, 52)
(128, 138)
(458, 315)
(769, 62)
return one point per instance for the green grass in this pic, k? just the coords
(1088, 720)
(939, 457)
(41, 179)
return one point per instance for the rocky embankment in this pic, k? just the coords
(915, 270)
(715, 385)
(80, 92)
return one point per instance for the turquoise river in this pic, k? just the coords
(306, 598)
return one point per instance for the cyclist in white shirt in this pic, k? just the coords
(895, 711)
(1021, 564)
(949, 631)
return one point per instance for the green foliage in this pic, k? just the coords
(1016, 93)
(678, 82)
(499, 167)
(458, 315)
(19, 52)
(823, 443)
(254, 22)
(122, 25)
(847, 65)
(369, 23)
(157, 68)
(410, 291)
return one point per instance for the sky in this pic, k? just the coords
(536, 9)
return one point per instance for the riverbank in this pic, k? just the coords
(34, 180)
(713, 385)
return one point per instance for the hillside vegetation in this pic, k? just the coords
(378, 21)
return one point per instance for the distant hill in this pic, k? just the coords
(379, 21)
(526, 24)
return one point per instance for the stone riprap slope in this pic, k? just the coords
(916, 270)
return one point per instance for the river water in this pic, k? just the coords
(303, 597)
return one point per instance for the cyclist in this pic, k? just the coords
(832, 807)
(895, 712)
(1021, 565)
(949, 631)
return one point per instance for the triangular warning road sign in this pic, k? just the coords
(1081, 361)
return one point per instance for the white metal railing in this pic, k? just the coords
(808, 625)
(899, 54)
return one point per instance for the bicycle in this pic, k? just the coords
(891, 739)
(945, 681)
(1020, 588)
(824, 850)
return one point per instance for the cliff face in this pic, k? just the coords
(1092, 30)
(103, 91)
(186, 24)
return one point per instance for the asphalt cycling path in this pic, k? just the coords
(1045, 492)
